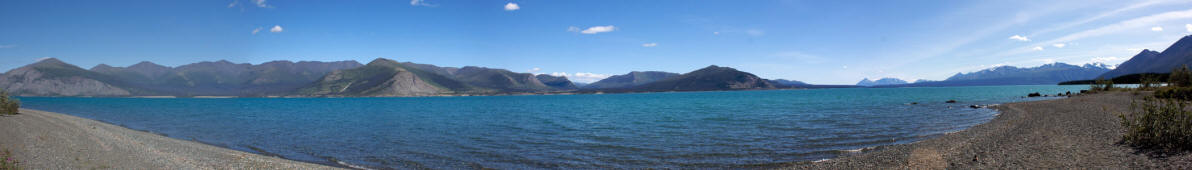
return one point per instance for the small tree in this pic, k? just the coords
(1148, 81)
(1180, 77)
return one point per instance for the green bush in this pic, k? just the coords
(1160, 124)
(8, 106)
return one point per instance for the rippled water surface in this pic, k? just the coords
(649, 130)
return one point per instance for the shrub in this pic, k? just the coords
(1160, 124)
(1178, 93)
(8, 106)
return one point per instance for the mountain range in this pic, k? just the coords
(380, 77)
(1148, 61)
(1009, 75)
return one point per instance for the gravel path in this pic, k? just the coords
(46, 140)
(1080, 132)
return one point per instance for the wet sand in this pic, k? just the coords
(46, 140)
(1081, 132)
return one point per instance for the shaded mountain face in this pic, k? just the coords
(1009, 75)
(632, 79)
(881, 82)
(710, 78)
(221, 78)
(500, 79)
(558, 82)
(382, 77)
(51, 77)
(1147, 61)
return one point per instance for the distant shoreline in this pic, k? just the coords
(48, 140)
(1077, 132)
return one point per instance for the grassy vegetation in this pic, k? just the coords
(8, 106)
(7, 162)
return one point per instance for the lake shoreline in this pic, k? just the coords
(48, 140)
(1077, 132)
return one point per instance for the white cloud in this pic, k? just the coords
(1156, 28)
(535, 69)
(511, 6)
(592, 30)
(1107, 59)
(420, 3)
(233, 4)
(649, 44)
(43, 58)
(276, 29)
(1059, 45)
(1037, 48)
(1188, 27)
(261, 3)
(1019, 38)
(581, 77)
(257, 30)
(716, 33)
(844, 67)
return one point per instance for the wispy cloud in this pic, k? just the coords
(1188, 27)
(1156, 29)
(1103, 15)
(1037, 48)
(535, 69)
(276, 29)
(421, 3)
(581, 76)
(593, 30)
(512, 7)
(257, 30)
(1019, 38)
(1126, 25)
(261, 3)
(233, 4)
(1059, 45)
(755, 32)
(8, 46)
(649, 44)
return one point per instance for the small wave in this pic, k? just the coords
(821, 160)
(351, 165)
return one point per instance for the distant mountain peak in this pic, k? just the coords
(382, 62)
(49, 61)
(882, 81)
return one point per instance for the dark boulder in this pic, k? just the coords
(1035, 94)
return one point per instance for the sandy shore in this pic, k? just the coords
(46, 140)
(1081, 132)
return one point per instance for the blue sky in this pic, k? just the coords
(822, 42)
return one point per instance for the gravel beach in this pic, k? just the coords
(1081, 132)
(46, 140)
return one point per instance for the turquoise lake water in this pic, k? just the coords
(646, 130)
